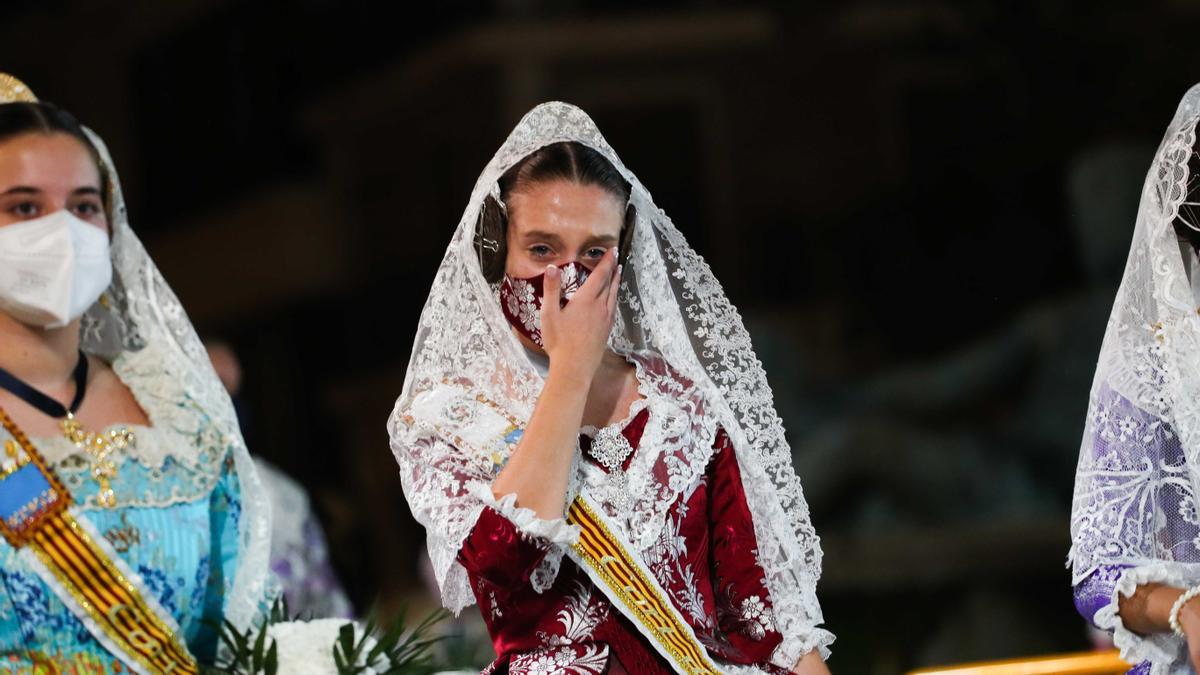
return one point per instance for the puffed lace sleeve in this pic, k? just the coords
(1100, 594)
(450, 446)
(1127, 483)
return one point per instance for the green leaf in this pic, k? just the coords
(279, 610)
(259, 648)
(226, 638)
(339, 660)
(241, 646)
(271, 664)
(346, 640)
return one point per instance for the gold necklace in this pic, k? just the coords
(100, 447)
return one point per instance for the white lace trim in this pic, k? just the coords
(550, 532)
(1136, 483)
(148, 375)
(671, 306)
(1166, 653)
(179, 430)
(796, 644)
(139, 312)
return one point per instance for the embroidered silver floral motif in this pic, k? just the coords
(523, 304)
(611, 449)
(496, 612)
(573, 277)
(523, 297)
(756, 619)
(579, 618)
(591, 659)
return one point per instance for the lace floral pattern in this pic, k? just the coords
(1136, 483)
(670, 305)
(523, 305)
(140, 311)
(175, 460)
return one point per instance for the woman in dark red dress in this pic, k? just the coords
(589, 439)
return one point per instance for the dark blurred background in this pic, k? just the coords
(921, 208)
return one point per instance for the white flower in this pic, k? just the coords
(306, 647)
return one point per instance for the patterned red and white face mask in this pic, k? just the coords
(521, 299)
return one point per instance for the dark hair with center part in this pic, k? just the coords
(567, 160)
(24, 117)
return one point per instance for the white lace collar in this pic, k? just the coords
(175, 419)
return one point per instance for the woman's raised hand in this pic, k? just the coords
(576, 336)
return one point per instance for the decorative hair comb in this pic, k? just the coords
(13, 90)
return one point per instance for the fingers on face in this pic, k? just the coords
(614, 290)
(551, 289)
(606, 270)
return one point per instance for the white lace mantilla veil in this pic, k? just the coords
(139, 312)
(670, 305)
(1139, 465)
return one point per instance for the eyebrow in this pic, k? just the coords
(22, 190)
(603, 239)
(27, 190)
(550, 236)
(541, 234)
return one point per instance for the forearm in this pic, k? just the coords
(811, 664)
(540, 466)
(1148, 609)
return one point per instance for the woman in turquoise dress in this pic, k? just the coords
(105, 387)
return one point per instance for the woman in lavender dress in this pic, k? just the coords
(1135, 550)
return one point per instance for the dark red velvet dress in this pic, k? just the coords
(705, 559)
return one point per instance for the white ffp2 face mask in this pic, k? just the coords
(52, 269)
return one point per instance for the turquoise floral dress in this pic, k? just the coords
(175, 524)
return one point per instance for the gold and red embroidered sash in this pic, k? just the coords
(616, 570)
(36, 519)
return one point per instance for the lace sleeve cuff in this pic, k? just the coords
(1162, 650)
(557, 531)
(795, 645)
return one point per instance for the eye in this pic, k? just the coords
(87, 209)
(540, 250)
(595, 253)
(24, 209)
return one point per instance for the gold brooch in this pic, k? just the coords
(100, 446)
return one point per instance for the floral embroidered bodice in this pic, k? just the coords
(175, 523)
(704, 558)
